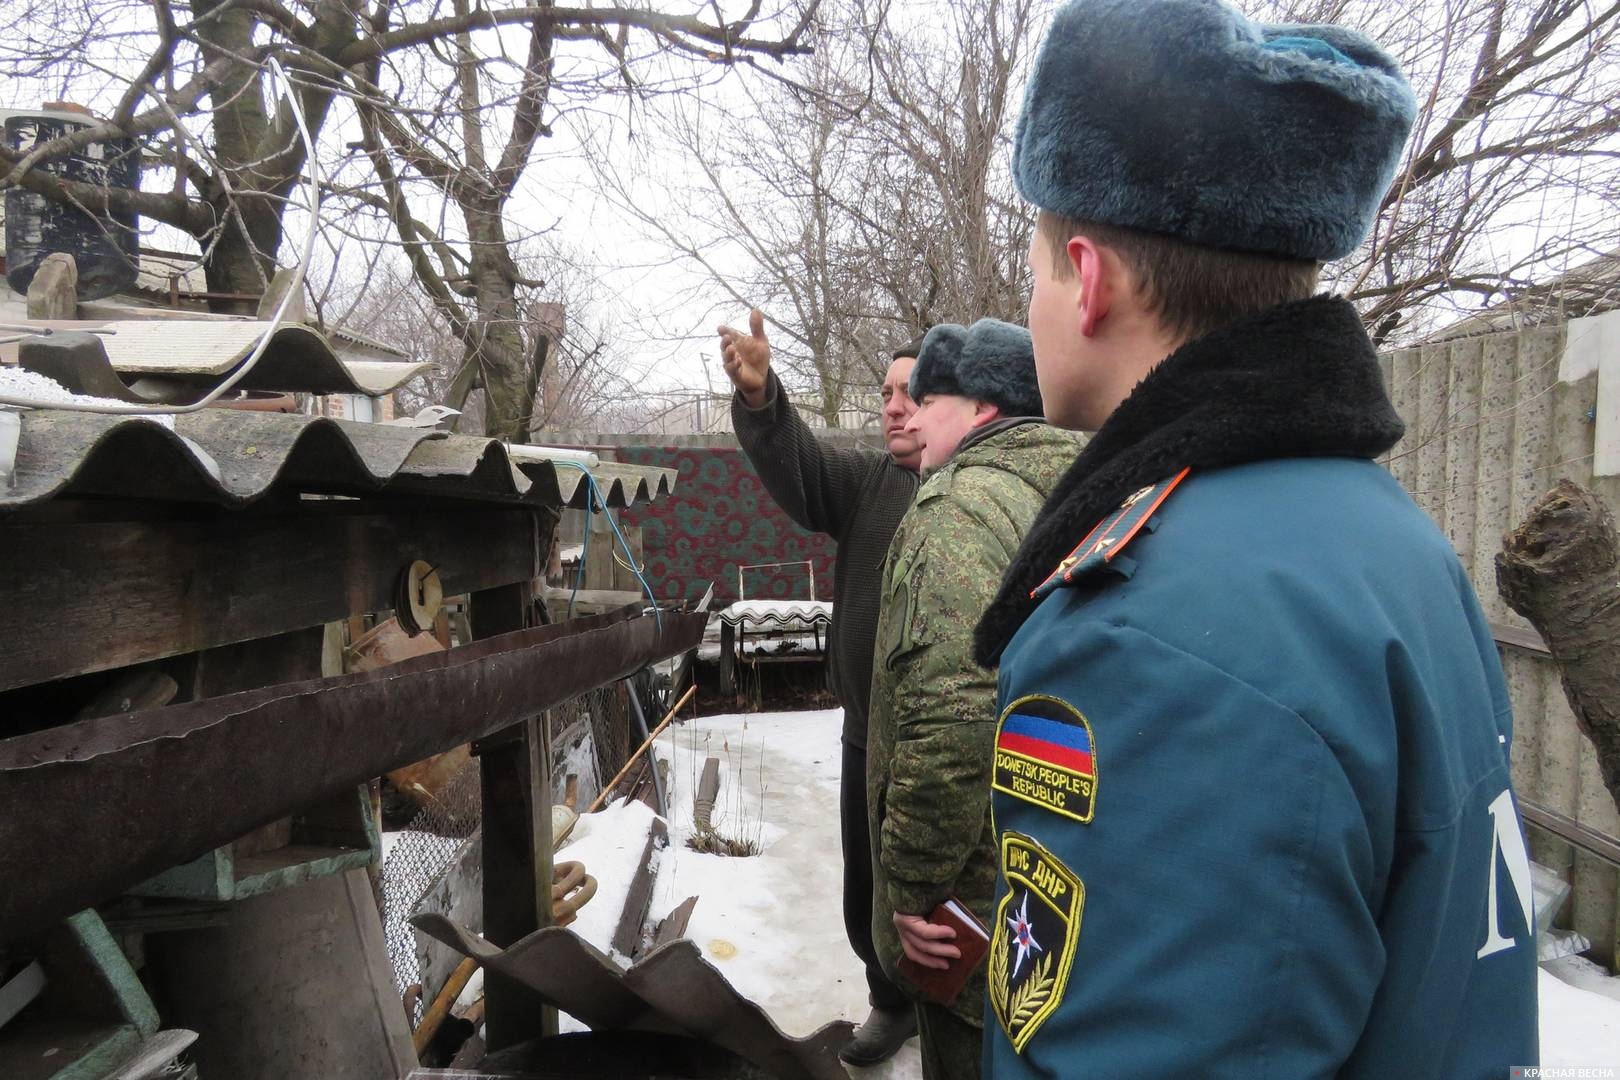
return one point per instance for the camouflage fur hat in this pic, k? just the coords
(1183, 117)
(989, 361)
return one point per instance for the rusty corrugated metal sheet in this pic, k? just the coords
(94, 807)
(235, 458)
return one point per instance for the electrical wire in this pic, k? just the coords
(314, 179)
(594, 499)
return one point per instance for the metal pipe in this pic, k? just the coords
(646, 733)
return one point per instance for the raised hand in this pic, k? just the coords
(747, 358)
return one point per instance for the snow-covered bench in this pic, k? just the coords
(780, 619)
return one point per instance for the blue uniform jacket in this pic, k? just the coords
(1253, 801)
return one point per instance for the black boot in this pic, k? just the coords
(880, 1037)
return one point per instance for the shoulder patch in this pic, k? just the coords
(1037, 927)
(1045, 756)
(1103, 544)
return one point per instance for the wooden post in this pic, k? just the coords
(537, 738)
(54, 292)
(623, 577)
(599, 562)
(510, 913)
(728, 657)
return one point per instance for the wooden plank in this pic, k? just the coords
(627, 938)
(105, 595)
(673, 928)
(590, 601)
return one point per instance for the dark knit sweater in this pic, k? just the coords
(853, 494)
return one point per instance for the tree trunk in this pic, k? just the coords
(497, 342)
(257, 147)
(1561, 570)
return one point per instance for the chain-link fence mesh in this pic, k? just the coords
(592, 736)
(420, 853)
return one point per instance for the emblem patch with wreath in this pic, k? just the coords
(1037, 926)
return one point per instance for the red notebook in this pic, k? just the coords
(942, 985)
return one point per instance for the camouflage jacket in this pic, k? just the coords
(933, 713)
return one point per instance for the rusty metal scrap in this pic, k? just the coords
(91, 808)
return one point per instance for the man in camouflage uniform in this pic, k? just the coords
(989, 461)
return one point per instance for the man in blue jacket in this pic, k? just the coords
(1251, 785)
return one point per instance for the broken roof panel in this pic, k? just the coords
(298, 359)
(671, 986)
(235, 458)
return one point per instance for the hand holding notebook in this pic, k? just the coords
(972, 940)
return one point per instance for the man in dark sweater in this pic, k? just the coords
(857, 496)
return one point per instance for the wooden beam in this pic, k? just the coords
(632, 921)
(99, 595)
(508, 846)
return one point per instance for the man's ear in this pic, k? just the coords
(984, 413)
(1098, 275)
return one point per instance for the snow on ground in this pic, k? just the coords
(773, 923)
(1580, 1014)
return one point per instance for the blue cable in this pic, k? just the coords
(584, 553)
(594, 500)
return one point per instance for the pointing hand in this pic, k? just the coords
(747, 357)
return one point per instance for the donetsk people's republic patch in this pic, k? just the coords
(1037, 928)
(1045, 756)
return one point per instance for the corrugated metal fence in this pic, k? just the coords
(1490, 427)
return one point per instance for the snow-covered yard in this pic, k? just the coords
(773, 923)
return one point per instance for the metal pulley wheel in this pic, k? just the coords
(418, 598)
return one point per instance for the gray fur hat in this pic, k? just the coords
(989, 361)
(1182, 117)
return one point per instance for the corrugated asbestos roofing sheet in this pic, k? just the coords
(298, 358)
(233, 458)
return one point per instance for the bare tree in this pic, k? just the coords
(438, 104)
(582, 383)
(873, 195)
(1512, 175)
(869, 197)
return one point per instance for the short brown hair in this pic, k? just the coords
(1191, 290)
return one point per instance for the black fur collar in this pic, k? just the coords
(1301, 380)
